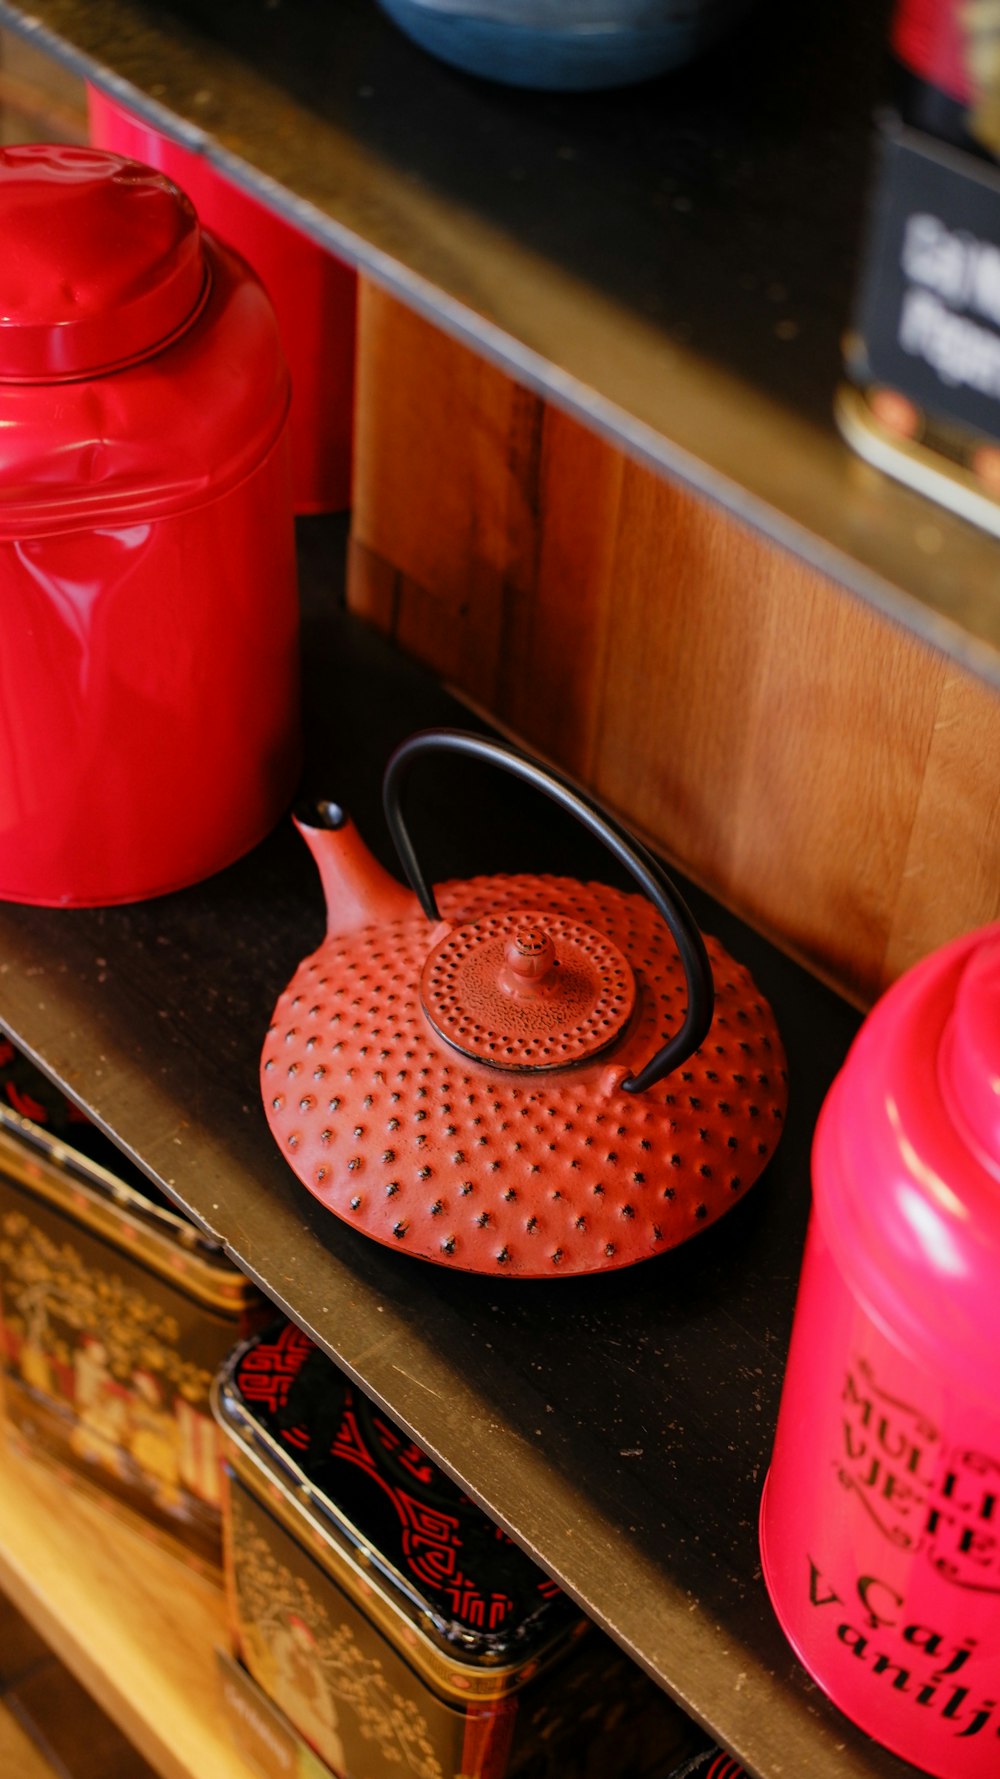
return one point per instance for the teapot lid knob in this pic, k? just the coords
(530, 960)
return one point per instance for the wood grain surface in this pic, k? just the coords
(134, 1625)
(68, 1727)
(828, 776)
(19, 1758)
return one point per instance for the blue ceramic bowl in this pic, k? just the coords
(564, 45)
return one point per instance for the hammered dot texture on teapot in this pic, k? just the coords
(524, 1172)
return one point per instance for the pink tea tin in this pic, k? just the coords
(880, 1523)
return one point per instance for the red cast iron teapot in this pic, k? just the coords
(525, 1075)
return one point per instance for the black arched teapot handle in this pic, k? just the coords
(644, 868)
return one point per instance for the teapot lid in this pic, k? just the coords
(102, 262)
(906, 1160)
(527, 989)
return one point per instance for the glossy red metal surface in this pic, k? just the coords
(313, 293)
(176, 429)
(878, 1525)
(103, 261)
(148, 604)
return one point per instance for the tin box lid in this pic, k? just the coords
(907, 1163)
(171, 431)
(102, 261)
(443, 1564)
(59, 1155)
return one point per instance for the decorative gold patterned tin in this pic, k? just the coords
(399, 1631)
(115, 1313)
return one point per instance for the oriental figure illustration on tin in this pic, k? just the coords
(313, 1667)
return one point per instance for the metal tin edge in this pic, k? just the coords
(915, 465)
(97, 1199)
(278, 1483)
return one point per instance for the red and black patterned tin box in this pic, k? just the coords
(115, 1314)
(397, 1628)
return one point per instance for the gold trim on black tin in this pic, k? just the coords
(92, 1196)
(912, 461)
(276, 1481)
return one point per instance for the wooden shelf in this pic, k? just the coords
(674, 264)
(135, 1626)
(18, 1754)
(619, 1427)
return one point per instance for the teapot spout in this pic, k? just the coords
(358, 891)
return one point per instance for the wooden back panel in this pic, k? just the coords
(829, 777)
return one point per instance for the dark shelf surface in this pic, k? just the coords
(618, 1426)
(673, 263)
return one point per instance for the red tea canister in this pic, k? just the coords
(880, 1524)
(314, 296)
(149, 727)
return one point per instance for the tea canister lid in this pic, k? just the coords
(450, 1590)
(102, 262)
(55, 1152)
(906, 1162)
